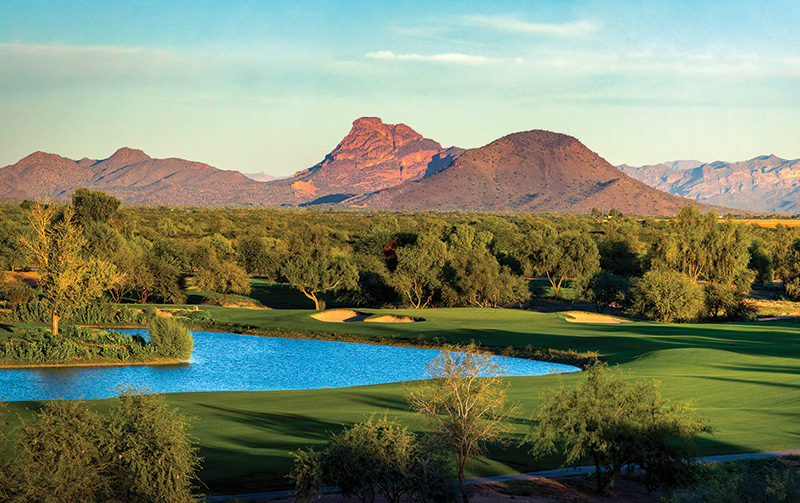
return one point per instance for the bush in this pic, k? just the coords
(666, 295)
(35, 311)
(67, 452)
(171, 338)
(375, 458)
(92, 314)
(16, 293)
(198, 315)
(603, 289)
(754, 481)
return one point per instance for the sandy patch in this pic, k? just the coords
(390, 318)
(29, 278)
(340, 316)
(584, 317)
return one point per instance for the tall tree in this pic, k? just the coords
(466, 401)
(223, 276)
(67, 277)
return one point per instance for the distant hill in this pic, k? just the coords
(532, 171)
(376, 165)
(260, 176)
(766, 183)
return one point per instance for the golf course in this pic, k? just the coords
(743, 377)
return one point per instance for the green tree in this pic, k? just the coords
(171, 338)
(476, 278)
(223, 276)
(603, 289)
(465, 400)
(666, 295)
(614, 423)
(56, 247)
(93, 205)
(314, 266)
(376, 458)
(568, 255)
(13, 254)
(418, 275)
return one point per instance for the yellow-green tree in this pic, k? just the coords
(466, 402)
(66, 277)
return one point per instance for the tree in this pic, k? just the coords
(665, 295)
(603, 289)
(418, 275)
(223, 276)
(374, 458)
(56, 247)
(465, 400)
(93, 205)
(614, 423)
(475, 277)
(561, 256)
(314, 266)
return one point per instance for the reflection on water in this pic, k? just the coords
(227, 362)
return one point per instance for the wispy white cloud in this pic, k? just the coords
(509, 24)
(452, 57)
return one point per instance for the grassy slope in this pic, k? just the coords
(743, 377)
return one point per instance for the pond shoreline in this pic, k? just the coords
(172, 361)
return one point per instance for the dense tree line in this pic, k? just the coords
(684, 268)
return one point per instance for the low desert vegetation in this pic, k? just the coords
(139, 451)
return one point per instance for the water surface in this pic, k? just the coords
(228, 362)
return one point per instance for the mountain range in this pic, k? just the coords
(376, 166)
(766, 183)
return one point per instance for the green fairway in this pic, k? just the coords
(745, 377)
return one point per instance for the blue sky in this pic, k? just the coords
(274, 86)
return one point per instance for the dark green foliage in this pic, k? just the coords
(758, 481)
(376, 458)
(93, 205)
(724, 301)
(16, 293)
(39, 346)
(67, 452)
(603, 289)
(665, 295)
(171, 338)
(761, 262)
(198, 315)
(613, 423)
(35, 311)
(222, 276)
(260, 256)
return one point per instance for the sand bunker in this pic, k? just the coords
(350, 316)
(390, 318)
(584, 317)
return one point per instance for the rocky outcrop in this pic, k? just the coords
(765, 183)
(373, 156)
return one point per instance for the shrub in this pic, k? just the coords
(171, 338)
(666, 295)
(16, 293)
(375, 458)
(198, 315)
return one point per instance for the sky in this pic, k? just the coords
(274, 86)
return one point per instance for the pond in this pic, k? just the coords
(228, 362)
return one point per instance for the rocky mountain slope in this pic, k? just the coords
(376, 165)
(766, 183)
(532, 171)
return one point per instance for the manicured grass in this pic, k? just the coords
(745, 377)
